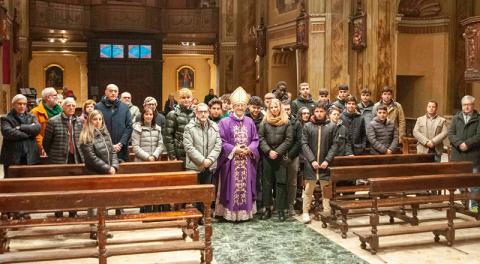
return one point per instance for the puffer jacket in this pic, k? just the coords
(55, 140)
(395, 114)
(320, 143)
(276, 138)
(296, 146)
(99, 155)
(134, 112)
(302, 102)
(356, 133)
(339, 103)
(201, 143)
(366, 112)
(159, 120)
(469, 133)
(173, 132)
(19, 138)
(340, 132)
(147, 141)
(382, 136)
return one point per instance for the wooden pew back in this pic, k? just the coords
(54, 170)
(98, 182)
(342, 161)
(395, 170)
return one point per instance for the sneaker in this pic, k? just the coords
(306, 218)
(474, 209)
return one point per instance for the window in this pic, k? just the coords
(140, 51)
(110, 51)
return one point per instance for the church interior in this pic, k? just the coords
(423, 49)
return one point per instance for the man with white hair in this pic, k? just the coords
(117, 120)
(464, 136)
(45, 110)
(126, 98)
(19, 130)
(60, 141)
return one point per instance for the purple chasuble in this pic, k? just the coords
(236, 174)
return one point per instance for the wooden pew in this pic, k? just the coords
(131, 154)
(346, 203)
(103, 192)
(51, 170)
(451, 182)
(342, 161)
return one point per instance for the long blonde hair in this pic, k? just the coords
(88, 132)
(279, 120)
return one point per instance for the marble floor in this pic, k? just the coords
(289, 242)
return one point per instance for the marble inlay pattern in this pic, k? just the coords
(274, 242)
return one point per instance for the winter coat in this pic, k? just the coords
(19, 138)
(469, 133)
(169, 108)
(395, 114)
(41, 115)
(302, 102)
(340, 104)
(320, 143)
(341, 132)
(276, 138)
(134, 112)
(99, 155)
(175, 124)
(56, 139)
(436, 132)
(147, 141)
(356, 133)
(382, 136)
(366, 112)
(257, 120)
(159, 120)
(201, 143)
(119, 123)
(296, 146)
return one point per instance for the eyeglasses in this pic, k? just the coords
(305, 113)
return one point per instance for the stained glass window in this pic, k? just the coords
(111, 51)
(140, 51)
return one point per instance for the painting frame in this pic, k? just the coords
(358, 31)
(185, 77)
(54, 76)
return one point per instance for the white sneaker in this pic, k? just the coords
(306, 218)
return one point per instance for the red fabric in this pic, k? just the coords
(6, 62)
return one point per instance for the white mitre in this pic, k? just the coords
(239, 96)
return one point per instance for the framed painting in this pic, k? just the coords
(186, 77)
(54, 76)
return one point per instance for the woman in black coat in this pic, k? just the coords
(19, 129)
(276, 137)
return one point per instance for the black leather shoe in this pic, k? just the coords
(281, 216)
(267, 214)
(93, 235)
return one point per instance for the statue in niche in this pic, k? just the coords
(301, 29)
(185, 77)
(286, 5)
(54, 77)
(261, 38)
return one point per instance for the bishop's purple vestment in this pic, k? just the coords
(237, 174)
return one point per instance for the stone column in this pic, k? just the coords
(228, 44)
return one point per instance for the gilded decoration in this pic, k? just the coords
(419, 8)
(302, 29)
(472, 48)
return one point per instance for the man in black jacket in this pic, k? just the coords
(292, 158)
(117, 119)
(304, 99)
(355, 125)
(342, 95)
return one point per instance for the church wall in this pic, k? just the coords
(74, 76)
(202, 65)
(276, 16)
(424, 57)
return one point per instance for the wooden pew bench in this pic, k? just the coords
(345, 204)
(378, 187)
(46, 194)
(342, 161)
(50, 170)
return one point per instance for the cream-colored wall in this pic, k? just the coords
(205, 74)
(426, 56)
(74, 75)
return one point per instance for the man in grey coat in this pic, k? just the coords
(60, 141)
(382, 134)
(202, 143)
(464, 136)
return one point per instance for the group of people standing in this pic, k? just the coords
(257, 152)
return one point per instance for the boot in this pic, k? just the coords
(267, 214)
(281, 216)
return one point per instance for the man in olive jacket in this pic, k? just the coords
(464, 136)
(175, 124)
(319, 155)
